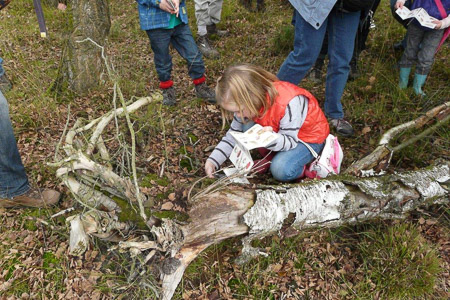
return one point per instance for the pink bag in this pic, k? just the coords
(443, 15)
(329, 160)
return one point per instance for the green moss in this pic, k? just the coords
(192, 138)
(186, 163)
(147, 180)
(170, 214)
(49, 260)
(130, 214)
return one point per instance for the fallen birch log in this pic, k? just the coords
(323, 203)
(380, 158)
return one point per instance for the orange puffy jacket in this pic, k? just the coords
(315, 128)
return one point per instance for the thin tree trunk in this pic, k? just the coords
(85, 65)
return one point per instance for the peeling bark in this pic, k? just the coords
(319, 203)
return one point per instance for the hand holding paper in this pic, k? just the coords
(419, 14)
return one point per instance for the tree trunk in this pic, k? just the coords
(324, 203)
(85, 65)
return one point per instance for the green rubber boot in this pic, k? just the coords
(419, 80)
(404, 77)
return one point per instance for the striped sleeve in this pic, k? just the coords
(290, 124)
(226, 145)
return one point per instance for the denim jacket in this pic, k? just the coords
(152, 17)
(313, 11)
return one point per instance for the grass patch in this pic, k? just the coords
(398, 263)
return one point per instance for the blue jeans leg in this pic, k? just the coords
(159, 41)
(184, 43)
(13, 179)
(2, 71)
(342, 29)
(307, 44)
(288, 165)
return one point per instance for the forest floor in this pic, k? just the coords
(407, 259)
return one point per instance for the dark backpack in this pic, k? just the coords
(356, 5)
(3, 3)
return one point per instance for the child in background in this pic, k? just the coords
(248, 95)
(428, 39)
(165, 23)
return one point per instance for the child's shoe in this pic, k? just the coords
(419, 80)
(404, 77)
(205, 47)
(203, 91)
(212, 29)
(169, 96)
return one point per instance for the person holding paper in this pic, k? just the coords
(429, 39)
(248, 94)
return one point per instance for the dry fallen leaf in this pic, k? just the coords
(167, 206)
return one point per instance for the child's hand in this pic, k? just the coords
(177, 6)
(165, 5)
(210, 168)
(438, 24)
(399, 4)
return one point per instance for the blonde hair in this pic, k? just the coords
(247, 86)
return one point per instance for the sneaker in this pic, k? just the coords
(205, 48)
(5, 84)
(205, 92)
(343, 127)
(354, 73)
(212, 29)
(169, 97)
(315, 75)
(33, 198)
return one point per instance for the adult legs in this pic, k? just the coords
(341, 40)
(289, 165)
(13, 179)
(307, 45)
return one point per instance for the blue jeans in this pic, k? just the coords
(183, 41)
(2, 71)
(308, 41)
(287, 166)
(13, 179)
